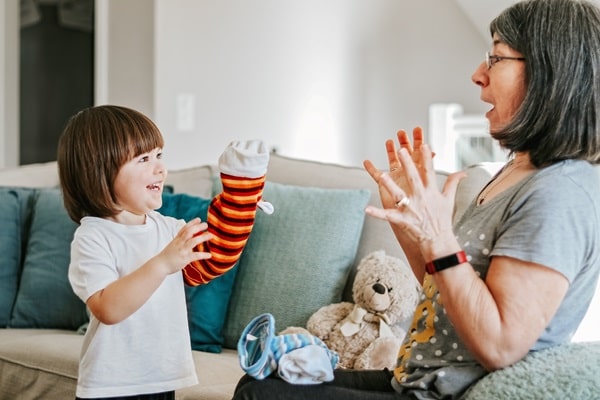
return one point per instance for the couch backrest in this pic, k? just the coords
(31, 176)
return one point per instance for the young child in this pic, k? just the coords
(127, 260)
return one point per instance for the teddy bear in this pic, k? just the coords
(367, 333)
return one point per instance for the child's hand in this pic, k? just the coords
(180, 251)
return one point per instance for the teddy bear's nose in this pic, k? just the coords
(379, 288)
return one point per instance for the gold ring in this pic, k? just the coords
(403, 203)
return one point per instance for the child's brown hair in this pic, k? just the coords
(93, 147)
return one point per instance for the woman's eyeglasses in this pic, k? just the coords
(491, 59)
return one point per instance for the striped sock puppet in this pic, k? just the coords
(231, 213)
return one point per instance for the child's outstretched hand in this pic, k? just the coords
(180, 251)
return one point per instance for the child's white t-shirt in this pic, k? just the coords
(150, 351)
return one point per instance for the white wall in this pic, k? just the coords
(124, 41)
(321, 79)
(326, 80)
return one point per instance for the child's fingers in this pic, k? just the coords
(193, 228)
(201, 238)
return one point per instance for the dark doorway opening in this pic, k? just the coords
(56, 72)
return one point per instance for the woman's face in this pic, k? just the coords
(502, 84)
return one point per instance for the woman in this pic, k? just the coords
(517, 272)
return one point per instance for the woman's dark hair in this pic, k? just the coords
(559, 117)
(93, 147)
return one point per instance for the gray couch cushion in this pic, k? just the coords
(37, 363)
(42, 364)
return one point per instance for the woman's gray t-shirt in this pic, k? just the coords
(551, 218)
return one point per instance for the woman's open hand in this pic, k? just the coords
(409, 194)
(395, 167)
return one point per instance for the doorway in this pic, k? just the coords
(56, 72)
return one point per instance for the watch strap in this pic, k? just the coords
(440, 264)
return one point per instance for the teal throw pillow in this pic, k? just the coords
(207, 304)
(298, 258)
(45, 298)
(10, 248)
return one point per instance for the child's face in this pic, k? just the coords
(139, 185)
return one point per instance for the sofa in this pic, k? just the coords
(297, 259)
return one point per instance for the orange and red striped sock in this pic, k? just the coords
(231, 217)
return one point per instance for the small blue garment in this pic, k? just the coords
(308, 365)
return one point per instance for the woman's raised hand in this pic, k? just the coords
(409, 194)
(395, 167)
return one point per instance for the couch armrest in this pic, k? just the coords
(569, 371)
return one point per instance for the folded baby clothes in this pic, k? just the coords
(260, 352)
(307, 365)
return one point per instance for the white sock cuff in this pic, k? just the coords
(245, 158)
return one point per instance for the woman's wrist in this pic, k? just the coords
(442, 263)
(439, 247)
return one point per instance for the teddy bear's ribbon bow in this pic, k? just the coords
(355, 321)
